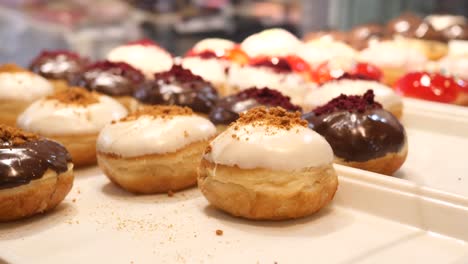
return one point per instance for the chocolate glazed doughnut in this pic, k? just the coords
(35, 174)
(181, 87)
(361, 133)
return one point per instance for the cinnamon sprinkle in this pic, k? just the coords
(274, 116)
(15, 136)
(76, 96)
(162, 111)
(12, 68)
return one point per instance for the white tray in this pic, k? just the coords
(373, 219)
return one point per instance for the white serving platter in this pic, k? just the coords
(373, 219)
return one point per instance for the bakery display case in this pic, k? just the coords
(227, 131)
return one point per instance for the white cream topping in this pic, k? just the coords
(323, 94)
(148, 59)
(217, 45)
(153, 135)
(212, 70)
(290, 84)
(440, 22)
(395, 54)
(270, 42)
(455, 65)
(52, 117)
(23, 86)
(458, 48)
(321, 50)
(270, 147)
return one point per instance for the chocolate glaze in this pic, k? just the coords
(457, 31)
(412, 26)
(360, 36)
(227, 109)
(179, 87)
(22, 163)
(111, 78)
(58, 65)
(356, 136)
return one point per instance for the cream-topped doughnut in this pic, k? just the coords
(270, 42)
(156, 149)
(24, 86)
(210, 69)
(144, 56)
(383, 94)
(149, 134)
(54, 116)
(322, 50)
(217, 45)
(458, 48)
(268, 165)
(455, 65)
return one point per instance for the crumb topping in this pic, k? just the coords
(275, 116)
(177, 74)
(219, 232)
(269, 97)
(351, 103)
(76, 96)
(14, 136)
(161, 111)
(12, 68)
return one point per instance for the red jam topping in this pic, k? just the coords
(177, 73)
(144, 42)
(237, 55)
(428, 86)
(205, 54)
(266, 96)
(360, 70)
(117, 68)
(290, 63)
(350, 103)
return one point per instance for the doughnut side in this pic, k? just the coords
(82, 148)
(263, 194)
(10, 110)
(38, 196)
(154, 173)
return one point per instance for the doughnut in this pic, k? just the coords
(181, 87)
(362, 134)
(35, 174)
(268, 165)
(143, 55)
(60, 67)
(74, 118)
(18, 89)
(156, 149)
(116, 79)
(227, 109)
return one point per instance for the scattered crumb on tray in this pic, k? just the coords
(170, 193)
(219, 232)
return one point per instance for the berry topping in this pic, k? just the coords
(363, 71)
(206, 54)
(350, 103)
(428, 86)
(177, 73)
(117, 68)
(268, 97)
(144, 42)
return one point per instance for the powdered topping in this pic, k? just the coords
(76, 96)
(274, 116)
(12, 68)
(14, 136)
(161, 111)
(278, 64)
(177, 74)
(350, 103)
(118, 68)
(268, 97)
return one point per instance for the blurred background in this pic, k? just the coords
(92, 27)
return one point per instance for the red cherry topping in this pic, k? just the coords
(360, 70)
(366, 70)
(429, 86)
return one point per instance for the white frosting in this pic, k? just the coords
(148, 135)
(394, 54)
(322, 95)
(455, 65)
(217, 45)
(269, 147)
(52, 117)
(290, 84)
(23, 86)
(148, 59)
(440, 22)
(212, 70)
(318, 51)
(270, 42)
(458, 48)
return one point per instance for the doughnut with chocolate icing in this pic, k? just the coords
(178, 86)
(35, 174)
(58, 65)
(361, 133)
